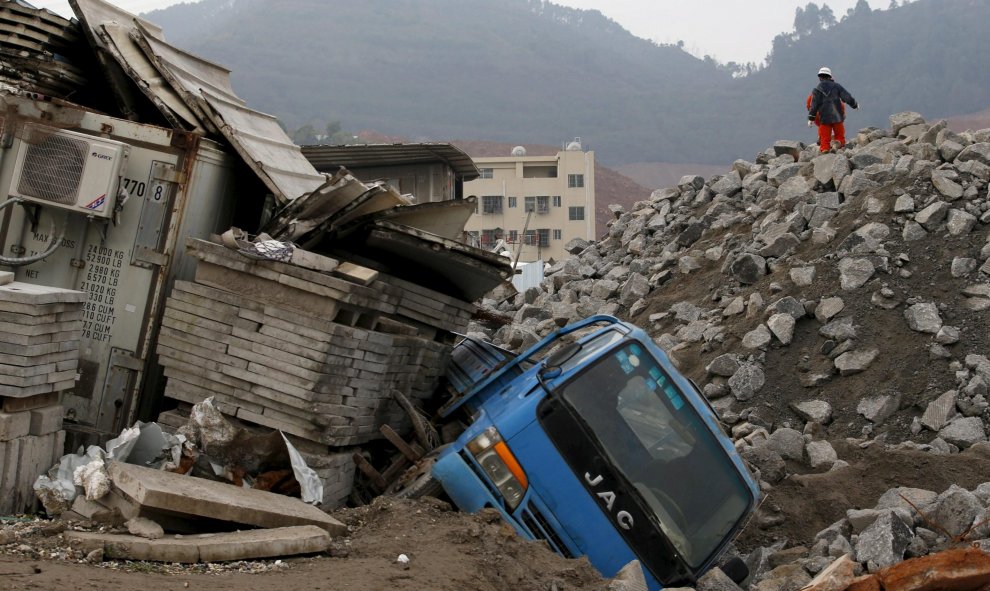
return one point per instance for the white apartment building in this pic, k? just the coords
(534, 203)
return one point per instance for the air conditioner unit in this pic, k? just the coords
(69, 170)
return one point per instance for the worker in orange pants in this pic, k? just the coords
(827, 109)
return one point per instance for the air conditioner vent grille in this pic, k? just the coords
(53, 169)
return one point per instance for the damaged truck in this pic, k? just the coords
(592, 441)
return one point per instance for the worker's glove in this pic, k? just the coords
(811, 123)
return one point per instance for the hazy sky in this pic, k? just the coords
(728, 30)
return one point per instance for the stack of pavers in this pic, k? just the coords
(40, 328)
(314, 349)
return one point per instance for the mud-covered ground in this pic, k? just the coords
(447, 551)
(452, 551)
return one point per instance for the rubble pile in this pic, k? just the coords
(905, 523)
(816, 298)
(840, 294)
(318, 354)
(40, 329)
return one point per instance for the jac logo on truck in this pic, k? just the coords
(101, 156)
(623, 518)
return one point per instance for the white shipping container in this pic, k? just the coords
(172, 185)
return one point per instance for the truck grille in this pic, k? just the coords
(537, 524)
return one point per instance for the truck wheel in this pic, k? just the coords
(418, 481)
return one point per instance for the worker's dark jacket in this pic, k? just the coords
(826, 102)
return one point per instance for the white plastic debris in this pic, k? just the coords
(93, 478)
(310, 485)
(402, 559)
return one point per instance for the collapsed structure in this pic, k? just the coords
(120, 151)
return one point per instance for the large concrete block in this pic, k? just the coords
(10, 404)
(242, 545)
(195, 496)
(27, 293)
(14, 425)
(46, 420)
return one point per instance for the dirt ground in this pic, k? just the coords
(453, 551)
(447, 550)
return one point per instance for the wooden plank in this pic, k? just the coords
(400, 443)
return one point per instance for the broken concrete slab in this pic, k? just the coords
(242, 545)
(166, 491)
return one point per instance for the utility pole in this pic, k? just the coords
(529, 214)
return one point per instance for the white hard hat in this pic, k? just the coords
(825, 72)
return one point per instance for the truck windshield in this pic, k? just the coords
(655, 438)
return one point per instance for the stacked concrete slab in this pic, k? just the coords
(40, 328)
(316, 352)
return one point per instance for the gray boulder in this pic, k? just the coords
(964, 432)
(747, 381)
(883, 543)
(854, 273)
(924, 317)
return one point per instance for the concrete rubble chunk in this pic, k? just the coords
(955, 510)
(854, 273)
(747, 381)
(899, 121)
(748, 268)
(879, 407)
(821, 454)
(960, 222)
(828, 308)
(933, 215)
(853, 362)
(964, 432)
(924, 317)
(816, 411)
(840, 329)
(782, 327)
(222, 547)
(883, 543)
(789, 443)
(145, 528)
(788, 305)
(767, 461)
(724, 365)
(802, 276)
(940, 410)
(757, 338)
(166, 491)
(716, 580)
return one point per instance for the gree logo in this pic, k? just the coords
(623, 518)
(101, 156)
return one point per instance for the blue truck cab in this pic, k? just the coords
(599, 447)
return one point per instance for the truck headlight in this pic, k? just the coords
(497, 461)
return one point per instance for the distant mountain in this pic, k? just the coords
(528, 71)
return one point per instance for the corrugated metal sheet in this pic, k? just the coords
(204, 88)
(329, 158)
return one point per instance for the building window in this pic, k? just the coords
(544, 237)
(530, 237)
(491, 204)
(490, 237)
(473, 239)
(575, 181)
(557, 234)
(556, 200)
(575, 213)
(512, 202)
(539, 204)
(486, 173)
(513, 236)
